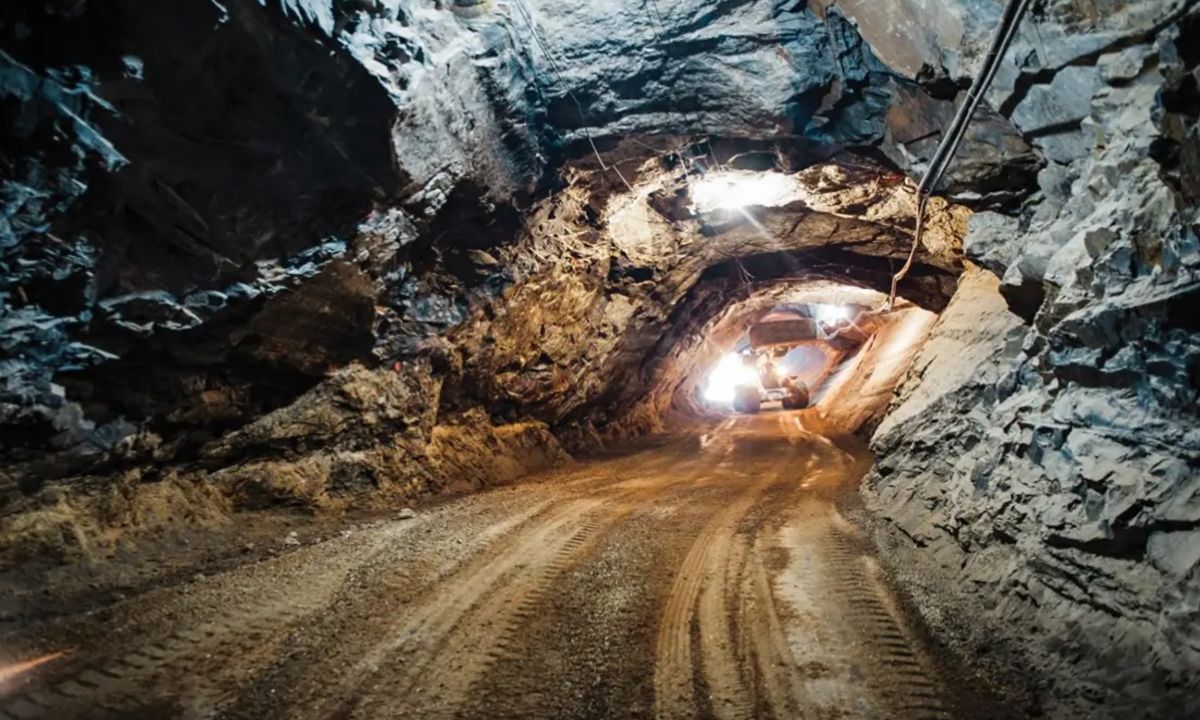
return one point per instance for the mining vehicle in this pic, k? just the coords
(771, 340)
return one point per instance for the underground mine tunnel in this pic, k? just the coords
(599, 359)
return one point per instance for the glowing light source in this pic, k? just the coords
(734, 190)
(10, 672)
(831, 314)
(730, 372)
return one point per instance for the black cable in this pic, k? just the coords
(1009, 24)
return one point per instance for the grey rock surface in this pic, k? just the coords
(1064, 101)
(1052, 470)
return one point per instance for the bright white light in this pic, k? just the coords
(731, 371)
(830, 314)
(733, 190)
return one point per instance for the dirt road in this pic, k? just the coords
(713, 577)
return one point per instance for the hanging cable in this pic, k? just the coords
(544, 47)
(922, 201)
(1009, 24)
(658, 26)
(743, 274)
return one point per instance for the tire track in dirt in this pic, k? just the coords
(197, 667)
(445, 651)
(582, 649)
(731, 572)
(184, 651)
(431, 656)
(790, 688)
(426, 661)
(900, 673)
(192, 649)
(771, 659)
(722, 628)
(700, 664)
(188, 662)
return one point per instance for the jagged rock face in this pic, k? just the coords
(727, 69)
(214, 183)
(186, 186)
(1050, 462)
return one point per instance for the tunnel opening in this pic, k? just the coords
(786, 356)
(725, 247)
(815, 346)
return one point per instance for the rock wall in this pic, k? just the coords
(1044, 450)
(182, 196)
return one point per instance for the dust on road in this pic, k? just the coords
(713, 577)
